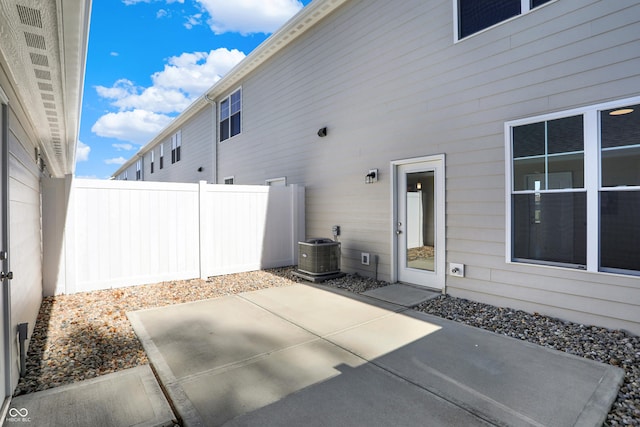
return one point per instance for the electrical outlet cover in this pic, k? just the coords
(365, 258)
(456, 270)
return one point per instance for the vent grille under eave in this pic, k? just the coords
(29, 16)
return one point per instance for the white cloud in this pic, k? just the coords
(82, 152)
(116, 161)
(193, 20)
(137, 126)
(249, 16)
(133, 2)
(184, 78)
(196, 72)
(123, 147)
(114, 54)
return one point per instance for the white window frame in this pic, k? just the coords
(271, 181)
(151, 164)
(139, 170)
(592, 181)
(161, 156)
(176, 144)
(525, 8)
(228, 98)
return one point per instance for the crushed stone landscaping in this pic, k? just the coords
(85, 335)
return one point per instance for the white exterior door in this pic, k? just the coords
(419, 224)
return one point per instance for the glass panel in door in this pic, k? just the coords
(420, 221)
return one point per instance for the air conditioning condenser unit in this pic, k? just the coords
(319, 256)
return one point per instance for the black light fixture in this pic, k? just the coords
(322, 132)
(371, 177)
(200, 169)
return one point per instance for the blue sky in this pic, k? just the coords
(147, 60)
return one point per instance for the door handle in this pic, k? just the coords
(8, 275)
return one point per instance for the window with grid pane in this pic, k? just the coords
(575, 189)
(549, 202)
(620, 189)
(231, 115)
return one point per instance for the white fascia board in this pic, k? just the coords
(74, 19)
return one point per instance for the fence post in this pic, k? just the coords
(202, 191)
(70, 239)
(298, 219)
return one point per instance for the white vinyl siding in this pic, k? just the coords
(191, 165)
(25, 249)
(417, 94)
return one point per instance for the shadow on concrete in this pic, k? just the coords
(301, 354)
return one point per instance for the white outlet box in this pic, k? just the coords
(456, 270)
(365, 259)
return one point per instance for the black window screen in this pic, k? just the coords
(536, 3)
(550, 227)
(476, 15)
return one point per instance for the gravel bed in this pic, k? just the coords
(603, 345)
(85, 335)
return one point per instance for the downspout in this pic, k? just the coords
(214, 124)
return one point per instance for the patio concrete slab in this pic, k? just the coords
(220, 395)
(130, 397)
(496, 377)
(305, 355)
(401, 294)
(319, 310)
(215, 333)
(364, 396)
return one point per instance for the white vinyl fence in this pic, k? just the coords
(122, 233)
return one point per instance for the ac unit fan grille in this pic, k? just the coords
(319, 256)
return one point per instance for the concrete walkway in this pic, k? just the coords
(303, 355)
(128, 398)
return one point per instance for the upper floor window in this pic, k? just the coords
(138, 169)
(476, 15)
(176, 144)
(152, 160)
(229, 180)
(161, 156)
(231, 115)
(125, 175)
(574, 180)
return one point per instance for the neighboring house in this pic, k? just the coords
(42, 58)
(492, 153)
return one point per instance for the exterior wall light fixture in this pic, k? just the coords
(371, 177)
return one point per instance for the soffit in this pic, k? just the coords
(43, 46)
